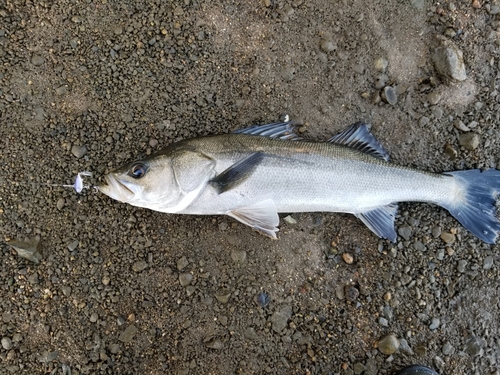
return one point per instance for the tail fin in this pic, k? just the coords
(477, 212)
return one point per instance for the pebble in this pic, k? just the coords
(436, 231)
(29, 250)
(263, 299)
(488, 262)
(450, 151)
(280, 318)
(458, 124)
(437, 112)
(79, 151)
(405, 232)
(434, 98)
(469, 141)
(381, 64)
(351, 293)
(473, 345)
(60, 203)
(327, 45)
(37, 60)
(6, 343)
(405, 347)
(114, 348)
(129, 333)
(238, 256)
(388, 344)
(448, 348)
(215, 343)
(223, 296)
(182, 263)
(447, 237)
(461, 265)
(66, 290)
(383, 322)
(94, 317)
(139, 266)
(61, 90)
(448, 60)
(359, 368)
(73, 245)
(185, 278)
(389, 95)
(290, 220)
(423, 121)
(348, 258)
(434, 324)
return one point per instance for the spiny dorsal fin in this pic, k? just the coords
(281, 130)
(359, 137)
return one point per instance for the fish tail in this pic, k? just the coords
(475, 207)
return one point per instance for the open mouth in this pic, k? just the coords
(116, 189)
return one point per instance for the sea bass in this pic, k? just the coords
(255, 173)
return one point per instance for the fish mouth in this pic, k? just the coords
(116, 189)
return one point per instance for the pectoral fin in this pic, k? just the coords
(381, 221)
(236, 173)
(261, 216)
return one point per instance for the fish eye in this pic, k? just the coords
(138, 170)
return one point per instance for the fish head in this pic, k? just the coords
(148, 183)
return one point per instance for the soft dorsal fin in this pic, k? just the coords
(281, 130)
(359, 137)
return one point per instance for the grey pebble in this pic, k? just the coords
(438, 362)
(29, 250)
(60, 203)
(448, 60)
(359, 368)
(129, 333)
(389, 95)
(114, 348)
(437, 112)
(469, 141)
(419, 246)
(139, 266)
(182, 263)
(37, 60)
(289, 220)
(448, 237)
(418, 4)
(405, 347)
(488, 262)
(288, 73)
(458, 124)
(47, 356)
(215, 343)
(185, 278)
(423, 121)
(448, 348)
(238, 256)
(327, 45)
(6, 343)
(66, 290)
(381, 64)
(280, 318)
(434, 324)
(383, 322)
(223, 296)
(473, 345)
(461, 265)
(73, 245)
(405, 232)
(434, 98)
(79, 151)
(61, 90)
(388, 312)
(388, 344)
(94, 317)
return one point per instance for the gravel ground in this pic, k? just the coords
(114, 289)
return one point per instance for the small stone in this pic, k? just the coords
(359, 368)
(79, 151)
(279, 319)
(469, 141)
(448, 238)
(348, 258)
(383, 322)
(139, 266)
(476, 4)
(73, 245)
(114, 348)
(404, 347)
(488, 262)
(351, 293)
(448, 348)
(437, 112)
(94, 317)
(182, 263)
(290, 220)
(29, 250)
(37, 60)
(6, 343)
(388, 344)
(185, 278)
(450, 151)
(381, 64)
(238, 256)
(458, 124)
(66, 290)
(223, 296)
(215, 343)
(423, 121)
(434, 98)
(106, 280)
(387, 296)
(327, 45)
(448, 60)
(61, 90)
(60, 203)
(405, 232)
(129, 333)
(389, 95)
(434, 324)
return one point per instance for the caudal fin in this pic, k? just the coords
(477, 211)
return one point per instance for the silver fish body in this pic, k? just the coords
(252, 177)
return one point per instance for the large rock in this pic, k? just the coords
(448, 60)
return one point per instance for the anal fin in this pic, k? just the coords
(261, 216)
(381, 221)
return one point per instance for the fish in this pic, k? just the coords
(255, 173)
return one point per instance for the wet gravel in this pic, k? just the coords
(92, 286)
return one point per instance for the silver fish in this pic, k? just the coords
(255, 173)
